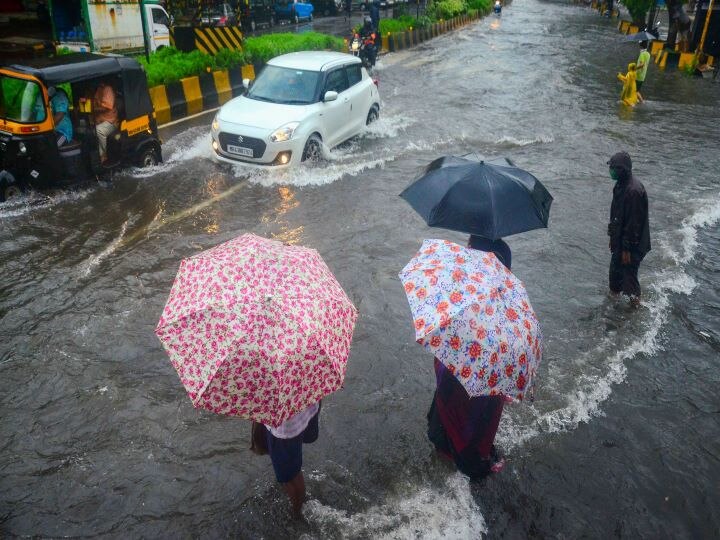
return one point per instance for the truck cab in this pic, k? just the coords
(87, 26)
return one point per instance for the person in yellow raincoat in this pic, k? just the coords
(629, 94)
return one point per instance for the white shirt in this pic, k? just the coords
(296, 424)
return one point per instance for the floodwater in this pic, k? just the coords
(99, 438)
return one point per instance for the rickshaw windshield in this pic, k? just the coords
(21, 100)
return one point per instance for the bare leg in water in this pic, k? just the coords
(295, 490)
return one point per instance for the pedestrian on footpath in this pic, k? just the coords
(643, 62)
(629, 228)
(284, 444)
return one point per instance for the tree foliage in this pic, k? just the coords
(638, 9)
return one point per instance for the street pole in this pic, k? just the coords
(144, 30)
(701, 44)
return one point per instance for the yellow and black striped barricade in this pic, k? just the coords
(206, 39)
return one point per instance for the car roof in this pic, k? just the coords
(313, 60)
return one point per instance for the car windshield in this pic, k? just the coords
(21, 100)
(285, 85)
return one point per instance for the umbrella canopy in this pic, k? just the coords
(489, 199)
(640, 36)
(257, 329)
(474, 315)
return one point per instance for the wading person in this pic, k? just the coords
(461, 427)
(629, 91)
(284, 444)
(629, 228)
(106, 116)
(643, 62)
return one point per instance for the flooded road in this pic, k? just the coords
(99, 438)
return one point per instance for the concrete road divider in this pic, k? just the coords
(192, 95)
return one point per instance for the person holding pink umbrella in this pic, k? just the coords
(261, 330)
(284, 444)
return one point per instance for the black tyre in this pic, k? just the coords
(313, 149)
(9, 191)
(147, 158)
(373, 115)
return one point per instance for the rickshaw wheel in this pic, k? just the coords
(148, 158)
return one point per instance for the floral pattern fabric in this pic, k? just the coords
(474, 315)
(257, 329)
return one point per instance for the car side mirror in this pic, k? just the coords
(330, 95)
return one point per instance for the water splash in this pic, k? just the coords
(594, 389)
(427, 512)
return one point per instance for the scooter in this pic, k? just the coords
(362, 49)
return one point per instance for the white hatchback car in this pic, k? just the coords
(297, 103)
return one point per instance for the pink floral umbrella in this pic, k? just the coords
(257, 329)
(475, 316)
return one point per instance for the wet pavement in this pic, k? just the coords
(99, 438)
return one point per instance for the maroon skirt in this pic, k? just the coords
(462, 427)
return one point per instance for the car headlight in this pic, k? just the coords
(215, 123)
(284, 133)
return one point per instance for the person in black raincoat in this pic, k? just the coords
(629, 228)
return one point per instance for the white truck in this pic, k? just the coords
(107, 26)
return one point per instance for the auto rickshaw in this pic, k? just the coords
(30, 155)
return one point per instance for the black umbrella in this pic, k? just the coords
(491, 199)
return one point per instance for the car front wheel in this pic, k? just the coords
(313, 149)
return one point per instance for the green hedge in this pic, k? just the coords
(170, 65)
(435, 11)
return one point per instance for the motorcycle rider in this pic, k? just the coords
(370, 40)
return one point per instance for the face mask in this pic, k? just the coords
(614, 175)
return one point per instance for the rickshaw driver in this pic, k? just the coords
(106, 116)
(60, 105)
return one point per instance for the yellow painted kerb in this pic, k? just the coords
(158, 96)
(222, 85)
(248, 72)
(193, 94)
(686, 59)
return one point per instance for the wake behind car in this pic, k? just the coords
(299, 102)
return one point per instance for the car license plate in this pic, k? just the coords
(239, 150)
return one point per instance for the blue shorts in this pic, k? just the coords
(286, 454)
